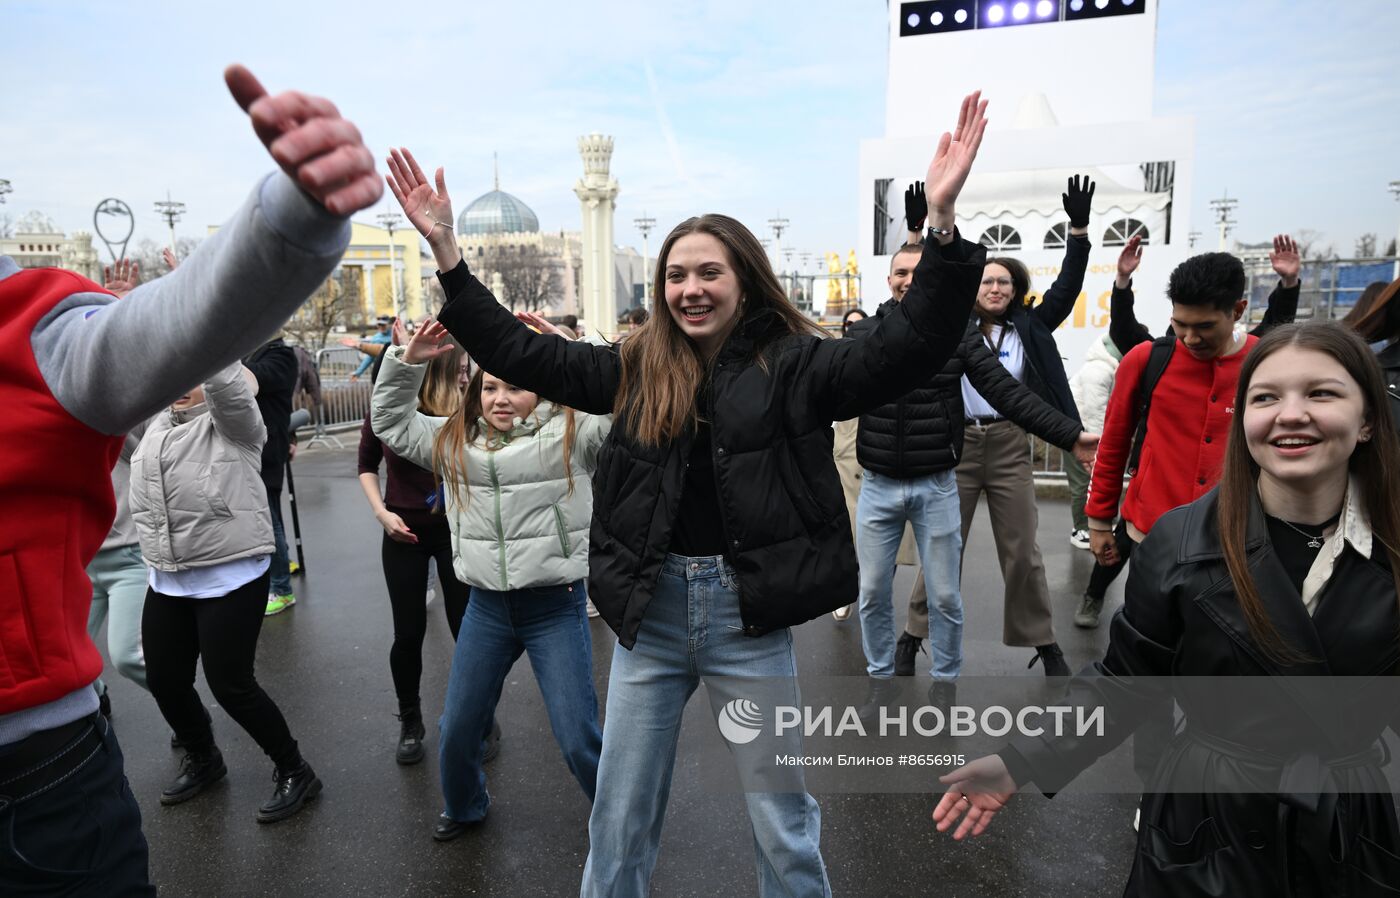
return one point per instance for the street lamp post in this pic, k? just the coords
(171, 211)
(645, 224)
(779, 224)
(389, 221)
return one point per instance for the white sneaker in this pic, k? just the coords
(592, 612)
(1079, 539)
(432, 594)
(1137, 817)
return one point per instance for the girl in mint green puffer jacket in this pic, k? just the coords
(516, 475)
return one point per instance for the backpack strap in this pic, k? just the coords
(1157, 361)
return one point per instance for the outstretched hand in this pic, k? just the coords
(538, 322)
(121, 278)
(317, 148)
(1286, 260)
(171, 261)
(428, 342)
(425, 207)
(956, 151)
(1129, 259)
(976, 792)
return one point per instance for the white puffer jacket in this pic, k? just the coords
(196, 497)
(518, 527)
(1092, 384)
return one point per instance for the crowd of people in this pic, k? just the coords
(727, 472)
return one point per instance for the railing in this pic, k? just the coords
(344, 403)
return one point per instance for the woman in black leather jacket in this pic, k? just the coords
(1286, 571)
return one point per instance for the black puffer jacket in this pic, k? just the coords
(1182, 630)
(921, 433)
(783, 511)
(1389, 359)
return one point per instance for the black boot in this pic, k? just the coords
(905, 651)
(881, 693)
(198, 770)
(1053, 660)
(294, 787)
(411, 734)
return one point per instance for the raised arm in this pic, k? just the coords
(231, 394)
(1124, 329)
(1283, 301)
(1059, 300)
(394, 414)
(918, 337)
(1019, 403)
(572, 373)
(915, 211)
(114, 364)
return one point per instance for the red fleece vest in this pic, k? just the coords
(56, 506)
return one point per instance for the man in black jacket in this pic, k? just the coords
(908, 450)
(274, 364)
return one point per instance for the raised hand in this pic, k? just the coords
(425, 207)
(169, 256)
(317, 148)
(121, 278)
(976, 792)
(953, 160)
(1078, 199)
(427, 343)
(539, 323)
(398, 333)
(915, 206)
(1286, 260)
(1129, 260)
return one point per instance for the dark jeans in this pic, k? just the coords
(177, 631)
(279, 572)
(82, 835)
(1151, 739)
(406, 576)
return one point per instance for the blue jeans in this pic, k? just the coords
(279, 571)
(930, 504)
(548, 623)
(692, 629)
(80, 836)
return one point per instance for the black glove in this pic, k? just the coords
(1077, 201)
(915, 206)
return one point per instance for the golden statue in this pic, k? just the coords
(835, 295)
(853, 280)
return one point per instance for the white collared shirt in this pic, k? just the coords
(1354, 526)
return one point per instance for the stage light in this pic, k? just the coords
(1100, 3)
(995, 14)
(1076, 5)
(1020, 11)
(1044, 8)
(921, 17)
(1077, 10)
(960, 16)
(913, 20)
(936, 19)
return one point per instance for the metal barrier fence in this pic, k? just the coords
(344, 403)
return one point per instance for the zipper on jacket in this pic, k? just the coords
(719, 497)
(899, 435)
(563, 531)
(500, 529)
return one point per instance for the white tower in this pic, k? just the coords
(597, 191)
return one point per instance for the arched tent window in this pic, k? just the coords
(1058, 236)
(1000, 238)
(1123, 230)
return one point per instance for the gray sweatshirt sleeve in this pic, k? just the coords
(112, 364)
(234, 410)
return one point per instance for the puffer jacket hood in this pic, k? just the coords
(1092, 384)
(196, 497)
(518, 525)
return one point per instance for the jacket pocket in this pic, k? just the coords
(209, 489)
(19, 655)
(563, 530)
(1199, 848)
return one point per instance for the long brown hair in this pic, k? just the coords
(1374, 463)
(465, 427)
(662, 368)
(440, 395)
(1381, 319)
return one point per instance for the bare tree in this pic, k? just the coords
(333, 304)
(527, 273)
(1390, 250)
(1310, 245)
(7, 225)
(1366, 246)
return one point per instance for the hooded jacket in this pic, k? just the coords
(781, 506)
(921, 432)
(519, 524)
(196, 495)
(1092, 384)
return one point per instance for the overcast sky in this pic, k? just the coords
(729, 105)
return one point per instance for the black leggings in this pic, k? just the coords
(1103, 575)
(176, 632)
(406, 576)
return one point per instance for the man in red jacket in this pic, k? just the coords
(77, 370)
